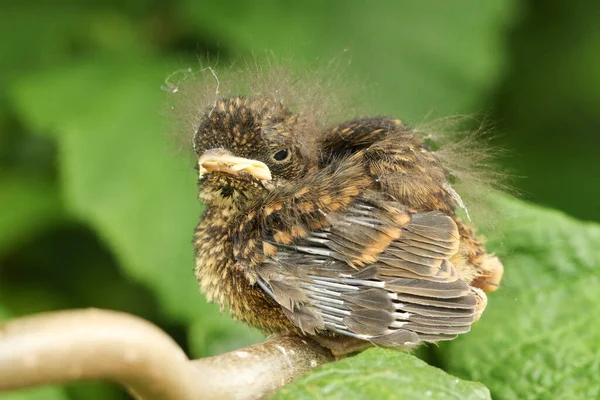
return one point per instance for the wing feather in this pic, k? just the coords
(377, 272)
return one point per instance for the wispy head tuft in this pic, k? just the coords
(320, 95)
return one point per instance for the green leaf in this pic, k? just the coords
(218, 334)
(27, 204)
(540, 334)
(121, 175)
(382, 374)
(42, 393)
(39, 393)
(66, 30)
(117, 171)
(424, 56)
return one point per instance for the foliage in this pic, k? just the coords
(540, 338)
(381, 374)
(97, 209)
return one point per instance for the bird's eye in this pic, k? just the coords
(281, 155)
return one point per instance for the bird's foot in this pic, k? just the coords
(341, 346)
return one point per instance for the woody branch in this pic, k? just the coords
(90, 344)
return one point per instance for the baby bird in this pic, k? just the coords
(347, 235)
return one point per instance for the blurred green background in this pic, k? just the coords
(97, 210)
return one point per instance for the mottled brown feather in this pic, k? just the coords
(358, 238)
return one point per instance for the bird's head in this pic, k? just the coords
(246, 148)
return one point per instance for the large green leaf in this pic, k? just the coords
(121, 175)
(66, 30)
(540, 336)
(42, 393)
(424, 56)
(382, 374)
(27, 204)
(218, 334)
(116, 171)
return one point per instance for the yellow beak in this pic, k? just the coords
(219, 160)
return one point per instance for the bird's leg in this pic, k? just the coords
(341, 346)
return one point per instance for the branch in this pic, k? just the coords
(96, 344)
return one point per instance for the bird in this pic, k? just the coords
(345, 234)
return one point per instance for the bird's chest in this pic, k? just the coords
(225, 281)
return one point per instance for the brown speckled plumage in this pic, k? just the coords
(353, 234)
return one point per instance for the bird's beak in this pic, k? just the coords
(222, 161)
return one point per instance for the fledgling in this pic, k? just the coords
(347, 235)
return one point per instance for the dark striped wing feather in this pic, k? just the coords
(378, 273)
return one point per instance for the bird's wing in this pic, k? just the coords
(396, 157)
(352, 136)
(377, 272)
